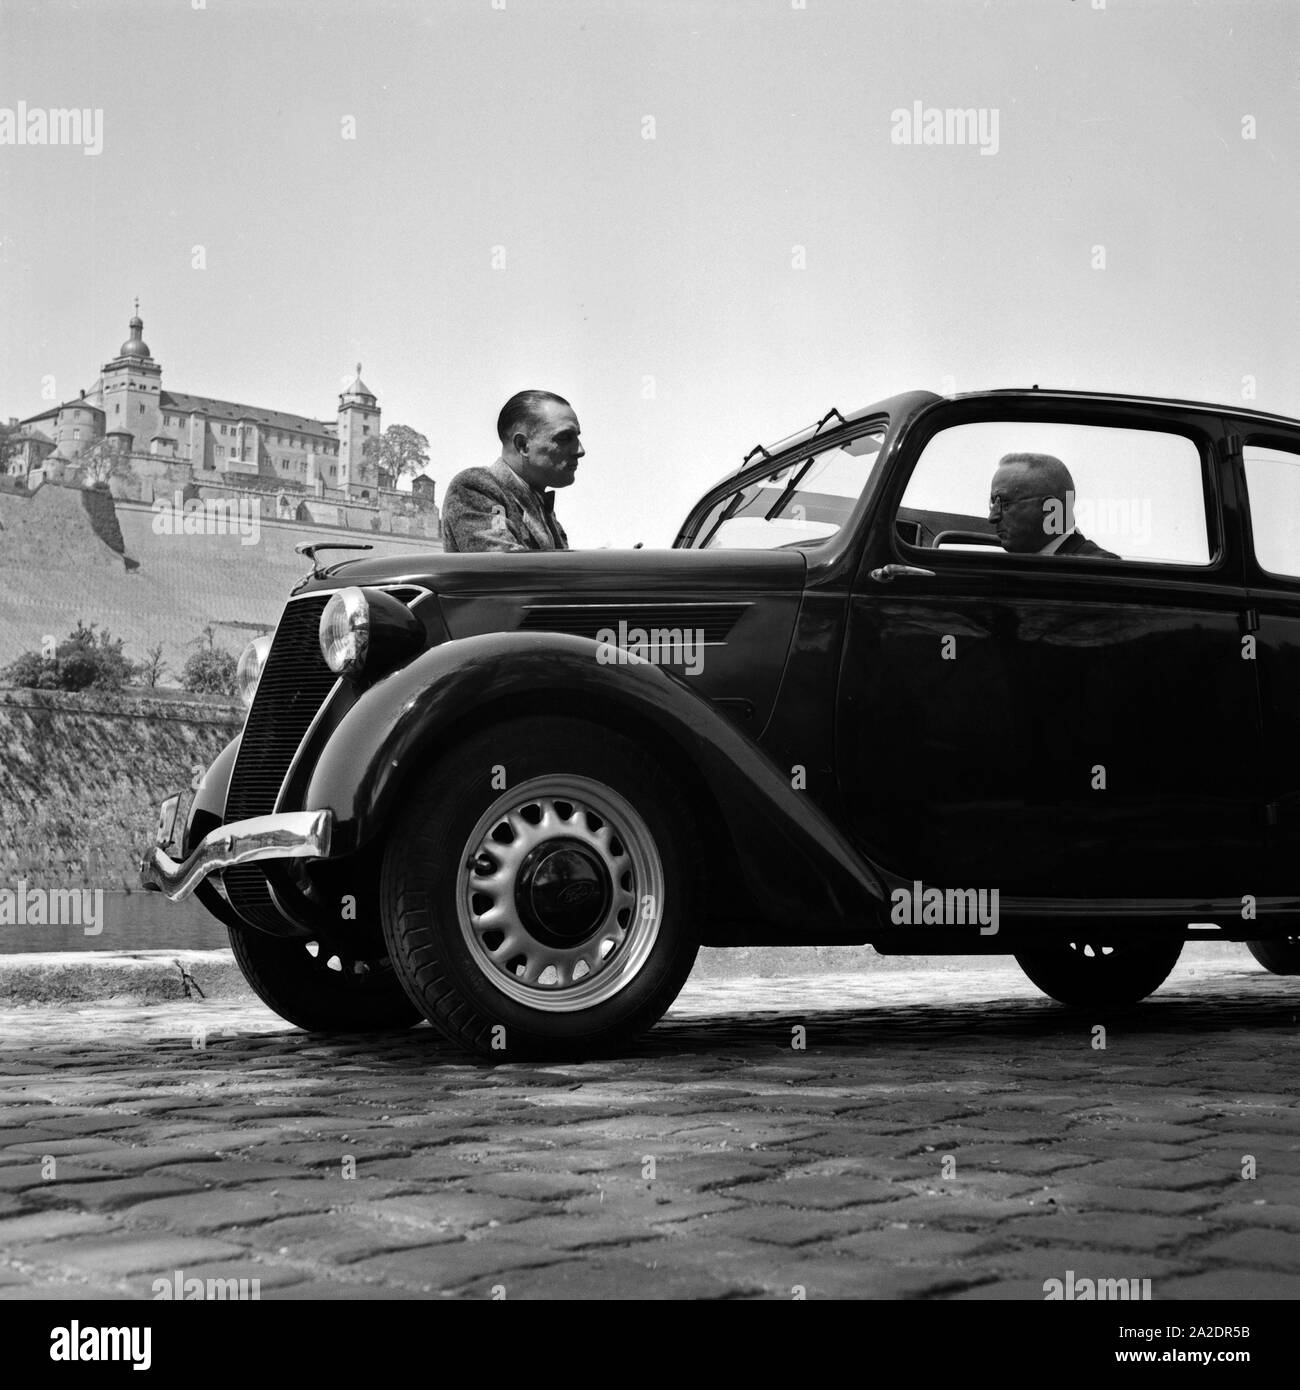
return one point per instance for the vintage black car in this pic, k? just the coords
(513, 793)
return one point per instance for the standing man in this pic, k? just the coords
(508, 506)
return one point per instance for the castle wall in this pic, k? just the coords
(55, 570)
(146, 478)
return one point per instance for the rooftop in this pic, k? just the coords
(233, 410)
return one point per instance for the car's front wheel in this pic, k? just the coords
(540, 890)
(1088, 973)
(1280, 956)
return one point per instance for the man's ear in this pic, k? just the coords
(519, 441)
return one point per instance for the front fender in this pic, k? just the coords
(792, 855)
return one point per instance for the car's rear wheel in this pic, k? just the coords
(1281, 956)
(1088, 973)
(540, 890)
(324, 987)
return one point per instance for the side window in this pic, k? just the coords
(1078, 491)
(1273, 487)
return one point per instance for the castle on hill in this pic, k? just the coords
(148, 443)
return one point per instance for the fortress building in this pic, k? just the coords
(129, 406)
(147, 440)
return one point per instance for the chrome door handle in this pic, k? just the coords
(886, 574)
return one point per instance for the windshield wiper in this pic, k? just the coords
(727, 513)
(781, 501)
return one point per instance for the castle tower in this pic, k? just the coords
(358, 421)
(131, 385)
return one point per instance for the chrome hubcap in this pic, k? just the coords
(560, 893)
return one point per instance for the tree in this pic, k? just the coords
(9, 444)
(152, 669)
(400, 451)
(103, 460)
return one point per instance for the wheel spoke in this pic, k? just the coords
(538, 963)
(501, 916)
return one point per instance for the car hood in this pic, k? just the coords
(737, 607)
(574, 571)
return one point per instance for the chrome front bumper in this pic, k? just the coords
(290, 835)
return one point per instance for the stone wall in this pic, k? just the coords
(83, 774)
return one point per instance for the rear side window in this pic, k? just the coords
(1273, 488)
(1035, 488)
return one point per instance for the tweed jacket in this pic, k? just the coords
(494, 509)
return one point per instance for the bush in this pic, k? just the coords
(31, 671)
(85, 660)
(210, 672)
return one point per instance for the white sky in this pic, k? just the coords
(672, 257)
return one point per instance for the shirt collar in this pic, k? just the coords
(507, 475)
(1057, 542)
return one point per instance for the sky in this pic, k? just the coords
(695, 219)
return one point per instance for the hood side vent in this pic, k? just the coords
(714, 620)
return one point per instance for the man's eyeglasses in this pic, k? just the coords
(998, 503)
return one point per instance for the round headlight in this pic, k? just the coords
(249, 671)
(345, 632)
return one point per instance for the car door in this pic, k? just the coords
(1054, 725)
(1271, 470)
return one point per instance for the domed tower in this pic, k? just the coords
(131, 389)
(358, 421)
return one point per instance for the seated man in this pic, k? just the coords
(1031, 503)
(506, 506)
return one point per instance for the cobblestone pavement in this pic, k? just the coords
(943, 1134)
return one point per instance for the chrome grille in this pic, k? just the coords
(295, 684)
(293, 687)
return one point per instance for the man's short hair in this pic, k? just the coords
(521, 409)
(1054, 474)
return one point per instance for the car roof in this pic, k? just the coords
(1124, 398)
(910, 402)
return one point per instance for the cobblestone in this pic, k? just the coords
(712, 1161)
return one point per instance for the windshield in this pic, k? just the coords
(803, 503)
